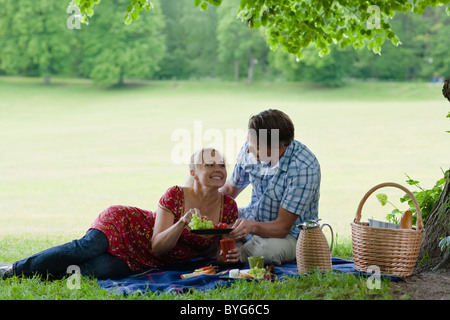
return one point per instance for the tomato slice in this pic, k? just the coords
(203, 269)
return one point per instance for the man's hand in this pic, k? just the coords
(278, 228)
(241, 228)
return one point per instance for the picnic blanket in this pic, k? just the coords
(169, 278)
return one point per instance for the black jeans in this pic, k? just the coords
(89, 254)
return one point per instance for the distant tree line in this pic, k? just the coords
(176, 40)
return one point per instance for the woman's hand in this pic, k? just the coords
(231, 257)
(187, 217)
(166, 233)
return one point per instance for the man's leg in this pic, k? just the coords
(275, 250)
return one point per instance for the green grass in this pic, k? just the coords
(314, 286)
(68, 150)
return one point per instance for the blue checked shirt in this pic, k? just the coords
(294, 184)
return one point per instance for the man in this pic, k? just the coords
(285, 179)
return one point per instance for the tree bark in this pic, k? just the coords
(251, 66)
(121, 79)
(437, 226)
(236, 70)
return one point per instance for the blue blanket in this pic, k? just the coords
(169, 279)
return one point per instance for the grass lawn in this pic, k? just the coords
(68, 150)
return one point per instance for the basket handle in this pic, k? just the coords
(419, 221)
(332, 235)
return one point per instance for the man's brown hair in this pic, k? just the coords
(275, 122)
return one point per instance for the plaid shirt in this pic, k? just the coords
(294, 184)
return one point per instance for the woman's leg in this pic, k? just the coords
(56, 260)
(106, 266)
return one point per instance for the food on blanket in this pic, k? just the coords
(257, 273)
(234, 273)
(198, 223)
(406, 222)
(206, 270)
(200, 272)
(270, 273)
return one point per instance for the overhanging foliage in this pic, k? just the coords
(295, 25)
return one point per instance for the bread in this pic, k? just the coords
(406, 222)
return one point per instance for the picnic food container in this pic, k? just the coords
(312, 249)
(394, 251)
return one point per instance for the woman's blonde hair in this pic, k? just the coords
(197, 158)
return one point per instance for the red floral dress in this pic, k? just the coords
(129, 231)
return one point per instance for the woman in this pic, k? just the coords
(125, 240)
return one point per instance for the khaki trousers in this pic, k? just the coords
(275, 250)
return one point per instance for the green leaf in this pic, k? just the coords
(405, 198)
(204, 6)
(358, 44)
(382, 198)
(135, 15)
(273, 46)
(376, 49)
(396, 41)
(148, 6)
(197, 2)
(128, 19)
(412, 182)
(379, 40)
(324, 51)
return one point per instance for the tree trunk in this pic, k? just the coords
(251, 66)
(236, 70)
(437, 226)
(121, 79)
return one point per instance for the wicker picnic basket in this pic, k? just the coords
(394, 251)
